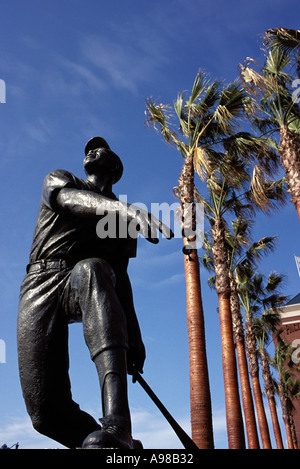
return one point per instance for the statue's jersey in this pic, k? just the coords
(59, 235)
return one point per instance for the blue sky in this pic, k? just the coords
(75, 69)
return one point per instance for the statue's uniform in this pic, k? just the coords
(71, 277)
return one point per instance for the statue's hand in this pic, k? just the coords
(136, 355)
(148, 226)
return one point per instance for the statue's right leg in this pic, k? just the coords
(44, 362)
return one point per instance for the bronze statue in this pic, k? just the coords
(74, 275)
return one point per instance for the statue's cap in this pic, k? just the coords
(96, 142)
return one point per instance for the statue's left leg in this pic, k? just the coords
(116, 421)
(105, 332)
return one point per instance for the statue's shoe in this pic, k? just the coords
(113, 434)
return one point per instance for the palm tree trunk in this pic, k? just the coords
(269, 390)
(235, 428)
(201, 413)
(261, 414)
(275, 422)
(289, 435)
(285, 412)
(254, 373)
(289, 150)
(200, 399)
(247, 400)
(293, 431)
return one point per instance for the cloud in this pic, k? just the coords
(155, 432)
(125, 62)
(38, 131)
(19, 430)
(151, 428)
(80, 74)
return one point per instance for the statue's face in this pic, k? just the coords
(102, 161)
(97, 159)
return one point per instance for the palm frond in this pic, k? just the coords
(201, 162)
(274, 65)
(261, 248)
(258, 188)
(201, 83)
(209, 99)
(231, 107)
(178, 106)
(157, 115)
(287, 40)
(275, 280)
(251, 79)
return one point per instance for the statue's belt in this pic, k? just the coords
(48, 264)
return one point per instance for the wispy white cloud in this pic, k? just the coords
(125, 62)
(78, 76)
(170, 281)
(155, 432)
(152, 429)
(39, 130)
(19, 430)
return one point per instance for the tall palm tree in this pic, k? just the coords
(240, 253)
(208, 121)
(277, 111)
(208, 118)
(253, 295)
(264, 325)
(222, 188)
(186, 143)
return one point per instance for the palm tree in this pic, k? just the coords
(241, 252)
(254, 295)
(208, 119)
(277, 111)
(186, 143)
(223, 187)
(268, 322)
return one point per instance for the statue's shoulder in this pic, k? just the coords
(63, 173)
(61, 177)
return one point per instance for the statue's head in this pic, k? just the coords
(99, 157)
